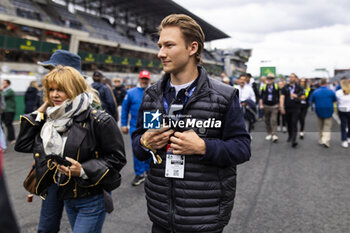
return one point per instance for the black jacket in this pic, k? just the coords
(106, 97)
(94, 140)
(203, 200)
(119, 93)
(31, 100)
(292, 104)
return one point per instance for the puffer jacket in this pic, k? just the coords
(94, 140)
(203, 200)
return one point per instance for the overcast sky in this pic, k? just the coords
(293, 35)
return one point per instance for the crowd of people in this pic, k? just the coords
(71, 128)
(284, 105)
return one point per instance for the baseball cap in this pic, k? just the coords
(64, 58)
(98, 74)
(145, 74)
(270, 75)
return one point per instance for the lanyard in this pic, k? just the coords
(291, 88)
(270, 88)
(166, 106)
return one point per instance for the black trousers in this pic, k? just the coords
(292, 123)
(7, 118)
(302, 116)
(279, 116)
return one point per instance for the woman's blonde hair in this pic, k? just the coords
(68, 80)
(345, 86)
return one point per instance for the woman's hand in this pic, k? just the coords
(43, 107)
(75, 168)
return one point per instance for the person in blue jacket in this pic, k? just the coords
(324, 99)
(131, 104)
(105, 94)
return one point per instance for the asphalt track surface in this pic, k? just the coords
(281, 189)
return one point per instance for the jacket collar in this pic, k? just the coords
(84, 115)
(202, 83)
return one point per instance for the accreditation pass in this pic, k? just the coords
(175, 166)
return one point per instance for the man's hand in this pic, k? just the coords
(295, 96)
(125, 130)
(156, 138)
(187, 143)
(283, 111)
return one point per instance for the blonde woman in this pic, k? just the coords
(304, 103)
(71, 158)
(343, 97)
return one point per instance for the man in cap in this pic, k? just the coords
(269, 100)
(105, 93)
(131, 104)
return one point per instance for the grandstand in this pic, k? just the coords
(117, 37)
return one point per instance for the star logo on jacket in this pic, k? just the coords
(151, 119)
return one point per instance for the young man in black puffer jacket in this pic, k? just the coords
(192, 180)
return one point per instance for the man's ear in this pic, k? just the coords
(193, 47)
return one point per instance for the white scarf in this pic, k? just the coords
(59, 120)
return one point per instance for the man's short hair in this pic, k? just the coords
(190, 29)
(7, 81)
(323, 81)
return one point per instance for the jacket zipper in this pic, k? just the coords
(75, 191)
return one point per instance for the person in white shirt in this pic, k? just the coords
(248, 100)
(245, 90)
(343, 98)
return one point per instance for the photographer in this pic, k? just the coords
(65, 136)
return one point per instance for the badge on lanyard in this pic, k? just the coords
(175, 166)
(269, 97)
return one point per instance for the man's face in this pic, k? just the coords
(242, 80)
(292, 79)
(173, 52)
(4, 84)
(144, 82)
(270, 81)
(117, 83)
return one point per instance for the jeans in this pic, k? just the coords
(86, 215)
(344, 122)
(2, 138)
(51, 212)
